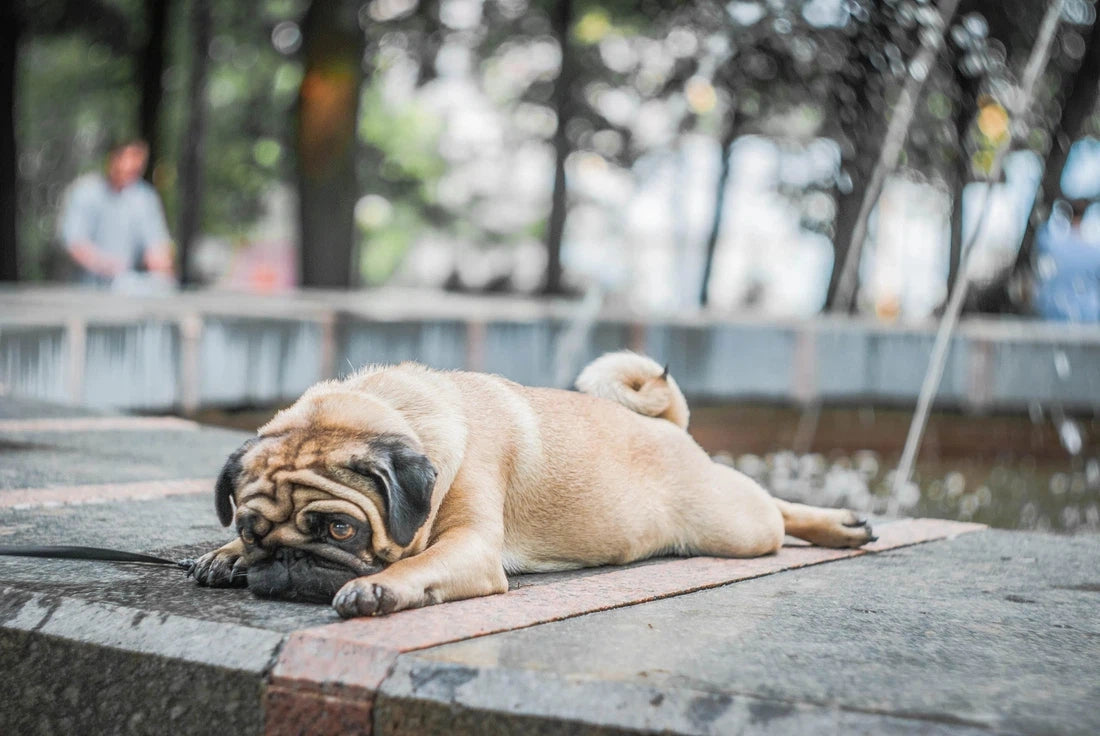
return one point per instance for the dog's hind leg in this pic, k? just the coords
(825, 527)
(729, 515)
(735, 517)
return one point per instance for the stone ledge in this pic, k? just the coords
(349, 661)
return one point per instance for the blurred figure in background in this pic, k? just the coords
(111, 225)
(1068, 288)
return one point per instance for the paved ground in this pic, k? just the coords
(979, 632)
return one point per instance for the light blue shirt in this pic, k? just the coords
(123, 223)
(1069, 274)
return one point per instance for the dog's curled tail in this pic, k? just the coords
(638, 383)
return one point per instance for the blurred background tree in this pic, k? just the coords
(535, 145)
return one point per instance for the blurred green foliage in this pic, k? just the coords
(251, 91)
(401, 164)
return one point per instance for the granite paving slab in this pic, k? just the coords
(986, 633)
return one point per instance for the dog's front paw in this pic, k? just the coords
(364, 597)
(222, 568)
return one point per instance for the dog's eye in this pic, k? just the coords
(248, 536)
(341, 530)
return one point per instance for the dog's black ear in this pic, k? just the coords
(227, 483)
(407, 478)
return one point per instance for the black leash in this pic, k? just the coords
(102, 554)
(68, 552)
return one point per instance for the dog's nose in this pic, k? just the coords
(289, 554)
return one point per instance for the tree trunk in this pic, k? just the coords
(433, 34)
(10, 27)
(191, 151)
(327, 117)
(561, 20)
(729, 135)
(901, 118)
(844, 224)
(959, 180)
(960, 170)
(150, 60)
(1080, 94)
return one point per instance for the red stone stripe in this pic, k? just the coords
(347, 661)
(289, 711)
(25, 498)
(95, 424)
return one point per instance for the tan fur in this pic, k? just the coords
(528, 479)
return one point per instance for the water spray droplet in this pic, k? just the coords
(1070, 434)
(968, 504)
(1029, 515)
(753, 466)
(1061, 364)
(984, 495)
(908, 495)
(724, 458)
(955, 484)
(1059, 484)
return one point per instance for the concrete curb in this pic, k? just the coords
(82, 667)
(238, 648)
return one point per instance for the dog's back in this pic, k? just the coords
(638, 383)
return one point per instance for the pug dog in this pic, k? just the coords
(402, 486)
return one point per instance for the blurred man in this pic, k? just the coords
(112, 223)
(1068, 268)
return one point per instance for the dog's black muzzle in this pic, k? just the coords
(297, 575)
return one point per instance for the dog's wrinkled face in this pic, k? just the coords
(318, 505)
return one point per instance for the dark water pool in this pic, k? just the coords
(1009, 494)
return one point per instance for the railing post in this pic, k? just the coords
(190, 327)
(76, 337)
